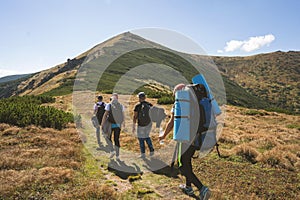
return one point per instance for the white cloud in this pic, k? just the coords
(253, 43)
(233, 45)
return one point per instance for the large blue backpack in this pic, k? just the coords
(194, 118)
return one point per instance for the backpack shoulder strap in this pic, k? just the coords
(144, 103)
(101, 104)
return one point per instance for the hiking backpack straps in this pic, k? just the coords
(100, 111)
(210, 120)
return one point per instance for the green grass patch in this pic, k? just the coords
(90, 168)
(134, 178)
(64, 89)
(166, 100)
(294, 126)
(237, 159)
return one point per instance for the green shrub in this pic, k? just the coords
(253, 112)
(296, 126)
(166, 100)
(27, 110)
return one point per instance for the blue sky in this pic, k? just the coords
(39, 34)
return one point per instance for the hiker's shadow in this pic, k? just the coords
(159, 167)
(103, 148)
(122, 170)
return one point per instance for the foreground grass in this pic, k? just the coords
(262, 163)
(46, 163)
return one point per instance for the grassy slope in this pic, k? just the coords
(8, 88)
(274, 76)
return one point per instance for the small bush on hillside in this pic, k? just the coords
(254, 112)
(40, 99)
(296, 126)
(166, 100)
(107, 91)
(280, 110)
(278, 158)
(247, 152)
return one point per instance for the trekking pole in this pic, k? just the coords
(217, 147)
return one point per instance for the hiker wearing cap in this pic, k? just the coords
(142, 117)
(99, 109)
(114, 114)
(185, 159)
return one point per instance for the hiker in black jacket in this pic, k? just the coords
(186, 160)
(142, 117)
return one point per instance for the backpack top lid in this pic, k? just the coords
(199, 90)
(200, 79)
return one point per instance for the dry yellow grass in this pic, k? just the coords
(44, 163)
(265, 138)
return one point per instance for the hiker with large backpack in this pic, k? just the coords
(99, 110)
(187, 119)
(142, 117)
(114, 115)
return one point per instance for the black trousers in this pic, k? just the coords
(186, 168)
(116, 132)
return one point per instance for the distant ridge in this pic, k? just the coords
(13, 77)
(258, 81)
